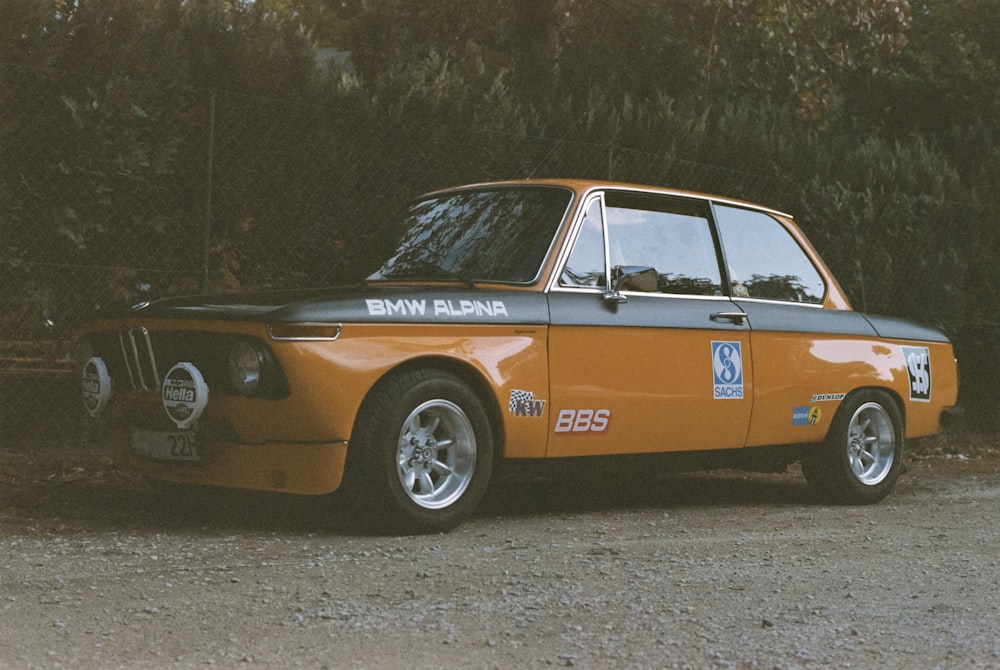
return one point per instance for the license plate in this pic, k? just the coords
(178, 445)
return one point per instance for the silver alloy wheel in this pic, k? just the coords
(436, 454)
(871, 443)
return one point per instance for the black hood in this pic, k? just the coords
(360, 303)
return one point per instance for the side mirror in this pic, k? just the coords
(631, 278)
(635, 278)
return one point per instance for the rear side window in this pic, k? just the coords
(764, 259)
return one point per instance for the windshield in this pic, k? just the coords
(499, 234)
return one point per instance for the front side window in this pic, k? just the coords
(671, 235)
(764, 259)
(499, 234)
(585, 266)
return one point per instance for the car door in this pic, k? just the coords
(645, 351)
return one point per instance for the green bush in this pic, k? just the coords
(113, 110)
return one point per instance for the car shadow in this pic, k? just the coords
(526, 490)
(529, 491)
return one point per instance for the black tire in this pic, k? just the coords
(423, 447)
(862, 456)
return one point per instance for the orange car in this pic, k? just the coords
(526, 320)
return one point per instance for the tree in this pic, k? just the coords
(946, 85)
(481, 39)
(806, 50)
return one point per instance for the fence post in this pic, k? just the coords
(207, 238)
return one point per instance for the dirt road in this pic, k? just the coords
(619, 569)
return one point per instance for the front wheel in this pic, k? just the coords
(862, 456)
(426, 452)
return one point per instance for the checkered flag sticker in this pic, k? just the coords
(520, 399)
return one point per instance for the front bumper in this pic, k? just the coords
(302, 468)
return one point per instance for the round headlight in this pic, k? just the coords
(245, 363)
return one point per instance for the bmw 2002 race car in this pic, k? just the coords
(526, 320)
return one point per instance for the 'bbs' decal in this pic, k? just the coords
(580, 421)
(918, 367)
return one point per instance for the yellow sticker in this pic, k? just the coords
(815, 414)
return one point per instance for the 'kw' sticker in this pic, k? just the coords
(524, 403)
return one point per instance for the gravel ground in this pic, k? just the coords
(612, 569)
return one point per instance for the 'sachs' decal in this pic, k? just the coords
(806, 416)
(456, 308)
(579, 421)
(523, 403)
(727, 370)
(918, 367)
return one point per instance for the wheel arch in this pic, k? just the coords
(383, 490)
(851, 465)
(893, 395)
(469, 374)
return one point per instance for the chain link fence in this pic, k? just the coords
(122, 190)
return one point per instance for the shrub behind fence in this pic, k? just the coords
(121, 191)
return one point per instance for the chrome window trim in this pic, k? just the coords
(775, 301)
(574, 233)
(642, 294)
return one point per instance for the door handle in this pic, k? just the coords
(736, 318)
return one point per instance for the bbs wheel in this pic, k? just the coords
(861, 458)
(426, 449)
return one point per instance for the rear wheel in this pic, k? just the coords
(425, 448)
(862, 456)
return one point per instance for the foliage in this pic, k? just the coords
(812, 45)
(483, 39)
(873, 120)
(111, 90)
